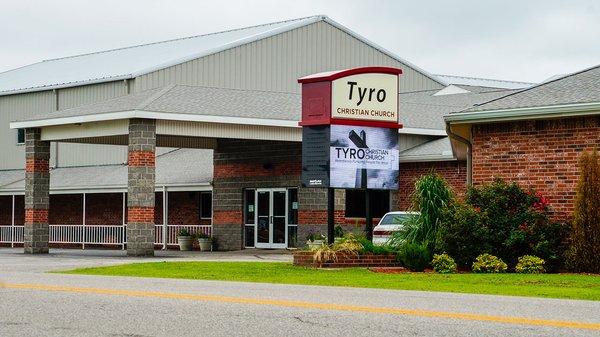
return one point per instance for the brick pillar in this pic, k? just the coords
(37, 189)
(140, 187)
(312, 212)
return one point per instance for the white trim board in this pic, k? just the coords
(151, 115)
(200, 187)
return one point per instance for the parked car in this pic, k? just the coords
(391, 222)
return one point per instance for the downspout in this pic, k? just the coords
(469, 152)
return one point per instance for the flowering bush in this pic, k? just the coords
(443, 264)
(486, 263)
(529, 264)
(505, 220)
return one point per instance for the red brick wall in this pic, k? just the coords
(101, 209)
(303, 258)
(66, 209)
(537, 154)
(184, 209)
(5, 210)
(104, 209)
(455, 172)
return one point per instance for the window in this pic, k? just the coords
(206, 205)
(20, 136)
(293, 206)
(355, 203)
(249, 207)
(292, 218)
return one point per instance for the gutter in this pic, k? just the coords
(469, 152)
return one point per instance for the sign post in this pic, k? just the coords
(350, 133)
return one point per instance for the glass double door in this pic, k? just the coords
(271, 218)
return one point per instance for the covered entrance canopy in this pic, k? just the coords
(173, 116)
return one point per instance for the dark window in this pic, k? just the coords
(206, 205)
(355, 203)
(249, 207)
(20, 136)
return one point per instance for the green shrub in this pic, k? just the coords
(509, 215)
(584, 253)
(462, 235)
(370, 247)
(201, 235)
(486, 263)
(529, 264)
(183, 232)
(443, 264)
(414, 256)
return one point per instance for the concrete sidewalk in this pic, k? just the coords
(14, 260)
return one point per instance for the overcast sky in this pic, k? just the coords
(516, 40)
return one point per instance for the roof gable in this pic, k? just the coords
(131, 62)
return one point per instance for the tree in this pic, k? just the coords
(584, 254)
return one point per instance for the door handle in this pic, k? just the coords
(271, 219)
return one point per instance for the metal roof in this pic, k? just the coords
(130, 62)
(484, 82)
(182, 102)
(576, 88)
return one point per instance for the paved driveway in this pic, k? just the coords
(36, 303)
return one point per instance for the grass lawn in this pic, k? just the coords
(545, 285)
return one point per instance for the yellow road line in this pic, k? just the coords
(310, 305)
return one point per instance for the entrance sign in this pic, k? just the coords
(350, 134)
(350, 129)
(369, 97)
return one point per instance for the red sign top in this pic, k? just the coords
(334, 75)
(366, 96)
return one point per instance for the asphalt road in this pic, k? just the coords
(36, 303)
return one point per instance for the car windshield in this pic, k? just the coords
(393, 219)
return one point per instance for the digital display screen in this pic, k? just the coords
(363, 157)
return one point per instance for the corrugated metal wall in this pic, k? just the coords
(276, 63)
(71, 154)
(14, 107)
(77, 96)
